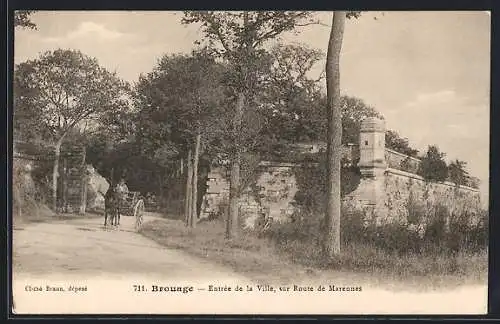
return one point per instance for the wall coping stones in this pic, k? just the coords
(402, 155)
(417, 177)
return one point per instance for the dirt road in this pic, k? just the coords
(77, 266)
(85, 248)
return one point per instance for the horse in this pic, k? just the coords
(112, 201)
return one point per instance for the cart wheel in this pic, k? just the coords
(139, 214)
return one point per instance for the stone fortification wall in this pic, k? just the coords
(388, 193)
(271, 195)
(385, 192)
(391, 197)
(400, 161)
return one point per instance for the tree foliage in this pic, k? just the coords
(22, 19)
(354, 111)
(457, 172)
(27, 115)
(433, 167)
(65, 87)
(181, 107)
(395, 142)
(290, 99)
(238, 39)
(181, 97)
(228, 33)
(62, 89)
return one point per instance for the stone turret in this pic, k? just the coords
(372, 165)
(372, 147)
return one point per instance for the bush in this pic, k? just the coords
(415, 210)
(304, 227)
(302, 236)
(28, 196)
(311, 182)
(406, 165)
(41, 174)
(91, 197)
(465, 235)
(307, 227)
(396, 238)
(479, 234)
(352, 225)
(436, 226)
(18, 195)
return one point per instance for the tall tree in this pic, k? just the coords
(196, 161)
(238, 39)
(181, 104)
(334, 135)
(27, 115)
(66, 87)
(354, 111)
(331, 245)
(303, 118)
(289, 99)
(189, 191)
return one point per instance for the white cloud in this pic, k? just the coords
(439, 97)
(92, 29)
(88, 29)
(458, 130)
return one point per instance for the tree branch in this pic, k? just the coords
(212, 21)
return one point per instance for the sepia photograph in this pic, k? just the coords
(250, 162)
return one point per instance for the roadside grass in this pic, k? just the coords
(430, 269)
(29, 202)
(248, 255)
(265, 261)
(36, 212)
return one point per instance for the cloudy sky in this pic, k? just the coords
(428, 73)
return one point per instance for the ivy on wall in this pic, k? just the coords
(311, 182)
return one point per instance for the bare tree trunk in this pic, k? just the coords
(232, 226)
(194, 208)
(64, 183)
(334, 136)
(55, 172)
(83, 200)
(112, 178)
(161, 199)
(169, 197)
(83, 206)
(189, 190)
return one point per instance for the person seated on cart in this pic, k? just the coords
(122, 190)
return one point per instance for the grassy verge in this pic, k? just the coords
(35, 212)
(248, 255)
(265, 261)
(427, 269)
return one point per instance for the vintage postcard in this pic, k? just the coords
(265, 162)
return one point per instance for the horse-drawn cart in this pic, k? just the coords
(133, 205)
